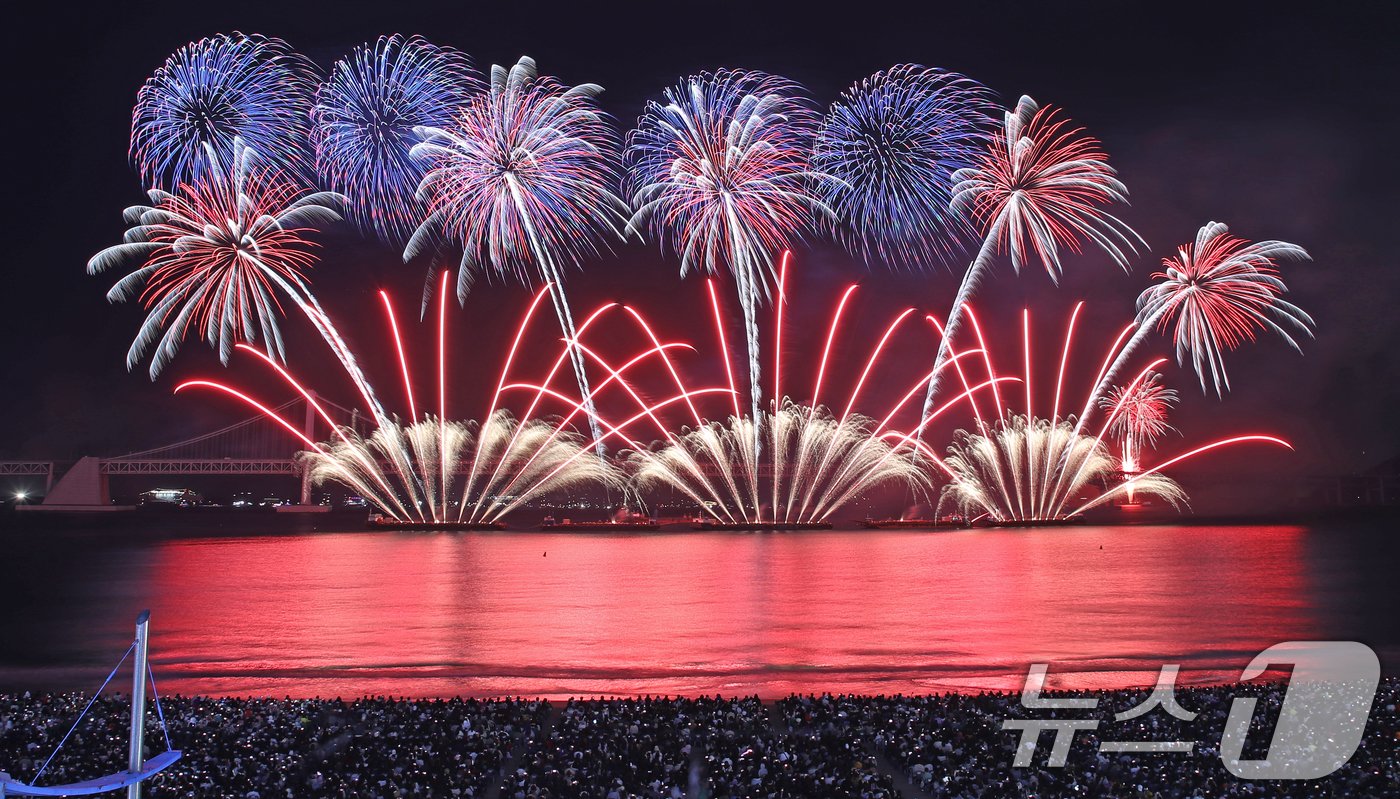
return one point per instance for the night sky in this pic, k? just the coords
(1281, 124)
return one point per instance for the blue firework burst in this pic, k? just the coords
(365, 116)
(210, 92)
(890, 145)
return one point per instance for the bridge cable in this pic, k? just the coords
(234, 428)
(159, 713)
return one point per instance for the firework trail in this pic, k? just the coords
(890, 146)
(432, 469)
(220, 89)
(1019, 468)
(521, 180)
(213, 254)
(1038, 189)
(720, 171)
(365, 116)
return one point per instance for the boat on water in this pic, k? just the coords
(950, 522)
(381, 522)
(599, 527)
(1065, 522)
(759, 526)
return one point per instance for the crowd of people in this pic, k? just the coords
(278, 749)
(943, 745)
(955, 745)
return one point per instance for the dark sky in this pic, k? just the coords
(1282, 124)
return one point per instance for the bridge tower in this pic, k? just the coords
(309, 428)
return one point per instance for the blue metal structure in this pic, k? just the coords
(138, 769)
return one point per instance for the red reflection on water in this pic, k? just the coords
(491, 614)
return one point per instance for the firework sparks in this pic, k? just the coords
(1021, 468)
(711, 465)
(992, 468)
(891, 145)
(214, 254)
(539, 457)
(1037, 190)
(801, 462)
(434, 469)
(521, 181)
(365, 116)
(720, 171)
(223, 88)
(1141, 419)
(1219, 292)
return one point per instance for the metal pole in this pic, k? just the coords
(138, 703)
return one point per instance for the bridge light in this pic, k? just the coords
(21, 496)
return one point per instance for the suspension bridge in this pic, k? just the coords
(253, 446)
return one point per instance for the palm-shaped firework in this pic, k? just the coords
(208, 93)
(1140, 418)
(890, 146)
(365, 116)
(214, 254)
(720, 170)
(521, 181)
(1219, 292)
(1039, 189)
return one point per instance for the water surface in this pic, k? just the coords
(343, 614)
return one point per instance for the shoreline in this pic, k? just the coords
(1276, 680)
(557, 687)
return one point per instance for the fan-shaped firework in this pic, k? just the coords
(1027, 468)
(1141, 417)
(521, 181)
(829, 460)
(801, 463)
(1219, 293)
(365, 116)
(214, 254)
(990, 470)
(891, 145)
(720, 171)
(213, 91)
(1040, 187)
(537, 456)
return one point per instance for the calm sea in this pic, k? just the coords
(352, 613)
